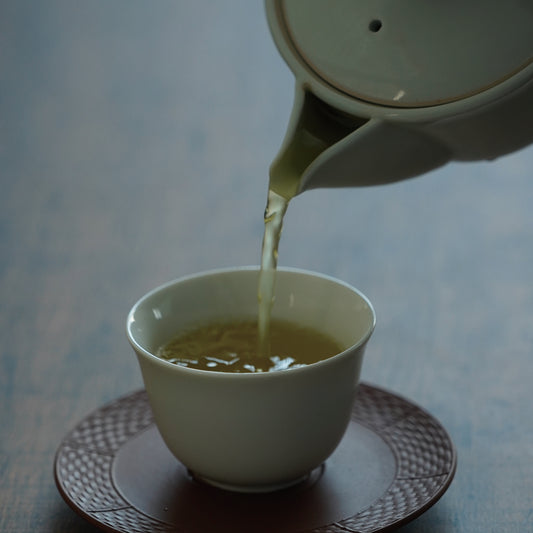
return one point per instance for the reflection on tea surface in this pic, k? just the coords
(233, 347)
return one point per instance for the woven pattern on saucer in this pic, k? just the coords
(425, 459)
(425, 464)
(83, 467)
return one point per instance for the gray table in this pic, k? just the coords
(135, 139)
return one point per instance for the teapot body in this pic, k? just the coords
(399, 118)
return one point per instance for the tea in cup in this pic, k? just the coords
(260, 428)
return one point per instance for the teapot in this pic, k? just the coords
(388, 90)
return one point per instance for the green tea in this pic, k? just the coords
(233, 347)
(274, 213)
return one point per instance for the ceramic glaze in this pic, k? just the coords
(252, 432)
(386, 91)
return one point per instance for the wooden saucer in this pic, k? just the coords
(394, 462)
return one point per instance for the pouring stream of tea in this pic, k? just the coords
(284, 184)
(317, 128)
(274, 212)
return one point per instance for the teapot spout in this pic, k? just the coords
(326, 148)
(313, 128)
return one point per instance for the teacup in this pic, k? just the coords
(253, 432)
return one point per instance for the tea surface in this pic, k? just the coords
(233, 347)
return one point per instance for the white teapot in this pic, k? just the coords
(389, 89)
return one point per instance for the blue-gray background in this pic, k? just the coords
(135, 140)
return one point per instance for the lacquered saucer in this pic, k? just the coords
(394, 462)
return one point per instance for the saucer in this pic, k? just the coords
(394, 462)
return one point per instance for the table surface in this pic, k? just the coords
(135, 139)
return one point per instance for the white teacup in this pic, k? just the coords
(259, 431)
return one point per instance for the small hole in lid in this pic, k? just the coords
(375, 25)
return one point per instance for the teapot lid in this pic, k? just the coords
(412, 53)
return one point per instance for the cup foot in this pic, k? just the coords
(254, 489)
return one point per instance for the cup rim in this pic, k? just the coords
(238, 375)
